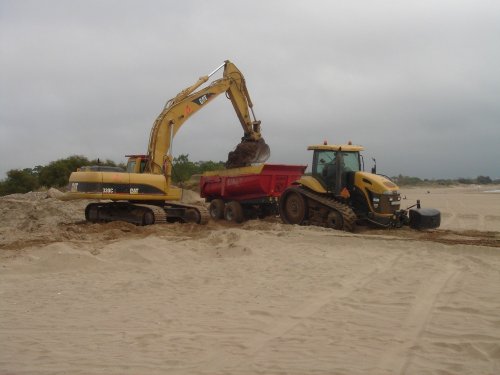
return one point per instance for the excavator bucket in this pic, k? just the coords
(248, 152)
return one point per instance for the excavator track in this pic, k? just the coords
(145, 214)
(160, 216)
(202, 216)
(139, 214)
(315, 211)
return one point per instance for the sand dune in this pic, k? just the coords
(257, 298)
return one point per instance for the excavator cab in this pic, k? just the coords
(136, 163)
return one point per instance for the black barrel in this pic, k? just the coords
(424, 218)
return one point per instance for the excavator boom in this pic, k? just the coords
(189, 101)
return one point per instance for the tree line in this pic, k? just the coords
(56, 173)
(415, 181)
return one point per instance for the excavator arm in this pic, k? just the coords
(191, 100)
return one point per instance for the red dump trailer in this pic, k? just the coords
(249, 192)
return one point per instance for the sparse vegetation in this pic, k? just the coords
(56, 174)
(183, 168)
(415, 181)
(19, 181)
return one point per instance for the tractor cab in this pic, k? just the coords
(334, 165)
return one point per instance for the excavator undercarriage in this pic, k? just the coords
(146, 214)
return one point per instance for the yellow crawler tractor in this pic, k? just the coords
(338, 194)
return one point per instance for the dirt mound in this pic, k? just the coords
(32, 217)
(38, 218)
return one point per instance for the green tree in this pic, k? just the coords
(204, 166)
(19, 181)
(182, 168)
(107, 162)
(56, 174)
(483, 180)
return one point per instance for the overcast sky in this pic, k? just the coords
(417, 83)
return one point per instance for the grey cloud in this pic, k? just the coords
(415, 82)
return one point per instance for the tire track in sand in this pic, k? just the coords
(398, 357)
(223, 361)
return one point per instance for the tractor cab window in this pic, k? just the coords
(325, 167)
(322, 161)
(325, 160)
(351, 161)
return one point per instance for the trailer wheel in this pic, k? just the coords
(216, 209)
(233, 212)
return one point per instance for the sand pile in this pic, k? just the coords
(262, 297)
(35, 217)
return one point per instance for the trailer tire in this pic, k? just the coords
(234, 212)
(216, 209)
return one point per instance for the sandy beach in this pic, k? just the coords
(258, 298)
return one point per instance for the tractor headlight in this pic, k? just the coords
(393, 197)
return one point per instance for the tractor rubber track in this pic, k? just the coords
(347, 213)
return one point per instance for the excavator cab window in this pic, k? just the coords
(131, 166)
(143, 165)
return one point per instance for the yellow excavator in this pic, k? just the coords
(339, 193)
(144, 194)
